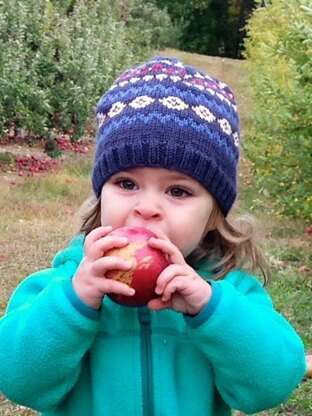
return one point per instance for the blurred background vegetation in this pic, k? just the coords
(279, 141)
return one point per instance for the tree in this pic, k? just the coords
(214, 27)
(279, 61)
(57, 58)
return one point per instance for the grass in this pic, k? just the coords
(37, 217)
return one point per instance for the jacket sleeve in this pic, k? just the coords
(257, 357)
(44, 338)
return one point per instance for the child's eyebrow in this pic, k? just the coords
(121, 173)
(180, 176)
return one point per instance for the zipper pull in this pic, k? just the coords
(144, 315)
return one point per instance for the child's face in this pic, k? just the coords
(158, 199)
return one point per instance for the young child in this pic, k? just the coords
(166, 159)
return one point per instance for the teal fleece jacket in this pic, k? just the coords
(60, 357)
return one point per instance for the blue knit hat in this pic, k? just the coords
(166, 114)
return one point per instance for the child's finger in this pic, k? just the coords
(161, 235)
(178, 284)
(103, 264)
(104, 244)
(116, 287)
(157, 304)
(168, 274)
(95, 235)
(166, 246)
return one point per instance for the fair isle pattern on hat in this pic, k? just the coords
(173, 103)
(166, 114)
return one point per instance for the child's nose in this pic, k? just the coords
(148, 210)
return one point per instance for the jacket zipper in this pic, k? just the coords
(146, 361)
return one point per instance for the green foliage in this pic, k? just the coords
(7, 158)
(57, 58)
(279, 60)
(51, 148)
(145, 17)
(213, 27)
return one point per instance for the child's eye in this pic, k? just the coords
(178, 192)
(126, 184)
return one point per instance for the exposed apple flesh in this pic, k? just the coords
(147, 261)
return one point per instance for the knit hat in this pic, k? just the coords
(166, 114)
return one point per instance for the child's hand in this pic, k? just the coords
(89, 281)
(179, 286)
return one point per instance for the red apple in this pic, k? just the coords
(147, 261)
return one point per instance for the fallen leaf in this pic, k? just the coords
(281, 263)
(304, 269)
